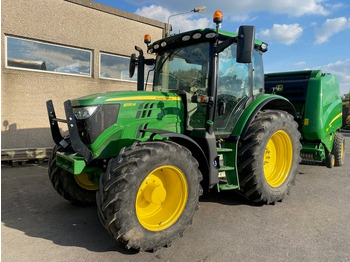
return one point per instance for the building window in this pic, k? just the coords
(117, 68)
(34, 55)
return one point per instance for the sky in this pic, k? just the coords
(301, 34)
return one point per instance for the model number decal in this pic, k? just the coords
(129, 104)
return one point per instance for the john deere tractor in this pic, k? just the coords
(146, 156)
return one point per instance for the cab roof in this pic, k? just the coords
(193, 37)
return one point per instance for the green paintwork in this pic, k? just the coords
(72, 163)
(167, 113)
(323, 108)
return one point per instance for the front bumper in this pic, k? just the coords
(74, 140)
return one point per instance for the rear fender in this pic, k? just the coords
(262, 102)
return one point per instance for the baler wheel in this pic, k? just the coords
(339, 149)
(330, 161)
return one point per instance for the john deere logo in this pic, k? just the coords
(279, 88)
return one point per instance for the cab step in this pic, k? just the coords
(226, 168)
(224, 150)
(227, 177)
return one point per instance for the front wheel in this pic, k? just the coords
(268, 157)
(149, 194)
(78, 189)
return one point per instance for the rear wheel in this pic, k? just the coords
(76, 188)
(268, 157)
(338, 149)
(148, 195)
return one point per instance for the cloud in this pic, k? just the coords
(301, 63)
(238, 10)
(342, 70)
(180, 23)
(285, 34)
(330, 28)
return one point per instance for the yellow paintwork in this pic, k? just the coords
(161, 198)
(278, 158)
(137, 98)
(335, 118)
(84, 182)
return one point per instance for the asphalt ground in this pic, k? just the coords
(311, 224)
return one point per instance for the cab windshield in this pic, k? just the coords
(182, 69)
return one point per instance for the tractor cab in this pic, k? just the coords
(202, 67)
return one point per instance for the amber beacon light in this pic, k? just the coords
(147, 39)
(218, 17)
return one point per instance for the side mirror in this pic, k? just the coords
(245, 43)
(132, 65)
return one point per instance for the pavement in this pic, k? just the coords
(311, 224)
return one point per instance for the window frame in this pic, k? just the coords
(112, 78)
(51, 44)
(117, 79)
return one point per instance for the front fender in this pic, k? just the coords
(190, 144)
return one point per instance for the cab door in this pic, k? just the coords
(234, 88)
(233, 91)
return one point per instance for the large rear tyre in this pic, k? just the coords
(74, 188)
(268, 157)
(338, 149)
(149, 194)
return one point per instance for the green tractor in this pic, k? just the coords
(145, 157)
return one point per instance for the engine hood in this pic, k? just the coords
(123, 97)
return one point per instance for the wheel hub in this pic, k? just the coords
(153, 190)
(161, 198)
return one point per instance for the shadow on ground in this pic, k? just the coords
(30, 204)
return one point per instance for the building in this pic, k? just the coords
(61, 49)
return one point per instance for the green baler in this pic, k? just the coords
(316, 98)
(145, 157)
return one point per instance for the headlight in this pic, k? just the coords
(84, 112)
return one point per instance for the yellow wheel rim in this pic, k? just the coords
(161, 198)
(84, 182)
(278, 158)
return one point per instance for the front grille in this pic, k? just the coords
(145, 110)
(90, 128)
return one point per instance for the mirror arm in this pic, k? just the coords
(140, 69)
(150, 61)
